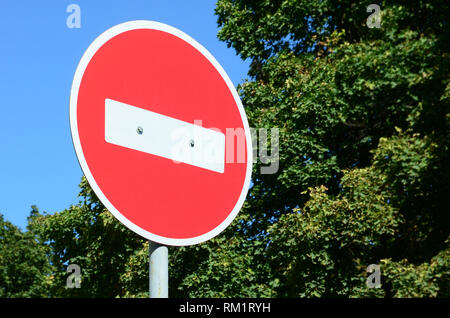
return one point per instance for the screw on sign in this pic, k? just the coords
(160, 133)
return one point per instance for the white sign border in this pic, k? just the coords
(84, 62)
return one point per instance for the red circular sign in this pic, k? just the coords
(142, 92)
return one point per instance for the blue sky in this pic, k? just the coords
(38, 58)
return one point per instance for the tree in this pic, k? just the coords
(114, 260)
(88, 235)
(334, 238)
(24, 267)
(363, 117)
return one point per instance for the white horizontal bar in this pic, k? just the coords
(143, 130)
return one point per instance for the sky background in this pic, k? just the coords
(38, 58)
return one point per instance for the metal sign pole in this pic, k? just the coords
(158, 270)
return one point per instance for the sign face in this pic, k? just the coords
(160, 133)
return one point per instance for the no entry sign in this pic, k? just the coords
(160, 133)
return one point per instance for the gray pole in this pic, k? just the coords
(159, 270)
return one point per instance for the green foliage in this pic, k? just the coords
(334, 237)
(89, 236)
(24, 267)
(364, 124)
(114, 260)
(227, 266)
(429, 279)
